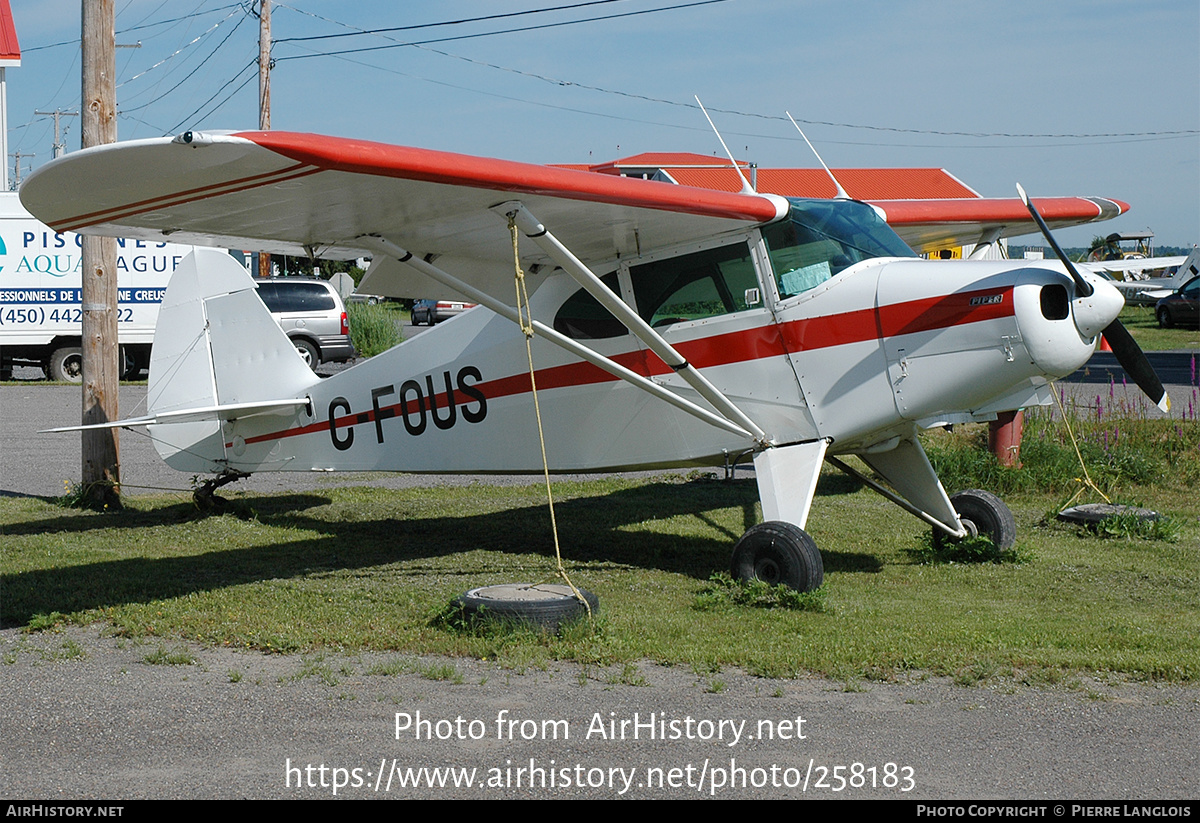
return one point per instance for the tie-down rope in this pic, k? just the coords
(525, 320)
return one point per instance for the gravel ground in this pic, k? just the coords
(90, 717)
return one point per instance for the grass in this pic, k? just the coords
(1123, 450)
(723, 592)
(979, 549)
(1142, 325)
(374, 329)
(351, 569)
(178, 656)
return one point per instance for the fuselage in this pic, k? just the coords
(822, 326)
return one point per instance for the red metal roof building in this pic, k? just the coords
(909, 187)
(10, 49)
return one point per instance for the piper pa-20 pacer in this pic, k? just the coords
(671, 326)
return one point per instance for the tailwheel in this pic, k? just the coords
(778, 553)
(982, 513)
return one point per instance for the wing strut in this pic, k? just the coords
(986, 241)
(387, 247)
(538, 233)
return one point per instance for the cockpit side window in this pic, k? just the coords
(583, 318)
(693, 286)
(801, 258)
(819, 238)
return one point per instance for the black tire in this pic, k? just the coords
(985, 514)
(545, 606)
(776, 552)
(66, 365)
(130, 365)
(1164, 318)
(308, 351)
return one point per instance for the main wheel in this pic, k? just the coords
(66, 365)
(308, 351)
(776, 552)
(982, 513)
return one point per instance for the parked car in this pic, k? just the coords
(1181, 308)
(311, 312)
(435, 311)
(369, 299)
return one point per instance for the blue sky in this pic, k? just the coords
(956, 85)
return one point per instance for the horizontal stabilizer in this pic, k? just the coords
(1158, 294)
(231, 411)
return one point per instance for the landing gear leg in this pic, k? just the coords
(205, 496)
(779, 550)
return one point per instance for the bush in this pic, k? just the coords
(723, 592)
(979, 549)
(1121, 450)
(372, 328)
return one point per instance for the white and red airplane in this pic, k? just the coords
(671, 326)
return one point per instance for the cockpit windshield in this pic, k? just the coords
(819, 238)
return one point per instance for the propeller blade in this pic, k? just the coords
(1082, 287)
(1126, 349)
(1136, 365)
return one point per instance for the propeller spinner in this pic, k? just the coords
(1127, 351)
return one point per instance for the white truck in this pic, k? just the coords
(40, 303)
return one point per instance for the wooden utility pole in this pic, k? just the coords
(16, 156)
(60, 148)
(264, 96)
(101, 457)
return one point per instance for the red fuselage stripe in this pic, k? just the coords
(914, 316)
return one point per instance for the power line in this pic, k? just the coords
(75, 42)
(359, 32)
(737, 113)
(253, 63)
(188, 45)
(397, 45)
(425, 45)
(560, 82)
(757, 135)
(188, 76)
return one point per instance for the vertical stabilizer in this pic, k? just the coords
(215, 344)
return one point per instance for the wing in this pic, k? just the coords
(306, 194)
(1137, 264)
(928, 225)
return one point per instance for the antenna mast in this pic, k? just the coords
(746, 187)
(841, 193)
